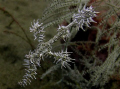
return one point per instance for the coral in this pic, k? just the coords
(90, 42)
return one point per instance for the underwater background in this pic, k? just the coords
(16, 41)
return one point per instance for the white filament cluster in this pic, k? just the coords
(62, 57)
(38, 30)
(66, 31)
(84, 17)
(31, 69)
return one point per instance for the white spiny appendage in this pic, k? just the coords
(84, 17)
(66, 34)
(30, 72)
(62, 57)
(31, 63)
(38, 30)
